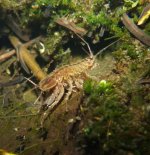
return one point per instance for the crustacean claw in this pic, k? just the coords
(64, 79)
(51, 107)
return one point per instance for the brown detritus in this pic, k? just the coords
(71, 26)
(144, 81)
(27, 58)
(138, 33)
(7, 55)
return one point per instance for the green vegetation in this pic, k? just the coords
(91, 87)
(115, 126)
(114, 115)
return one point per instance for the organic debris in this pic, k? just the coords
(110, 113)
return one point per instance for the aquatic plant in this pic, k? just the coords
(117, 119)
(113, 127)
(96, 89)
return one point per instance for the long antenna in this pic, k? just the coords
(91, 54)
(102, 50)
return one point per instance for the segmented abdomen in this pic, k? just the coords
(64, 73)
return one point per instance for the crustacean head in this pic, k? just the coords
(47, 84)
(90, 62)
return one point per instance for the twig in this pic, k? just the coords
(26, 57)
(7, 55)
(133, 29)
(71, 26)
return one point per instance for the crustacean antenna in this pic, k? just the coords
(90, 51)
(101, 51)
(36, 86)
(105, 48)
(28, 79)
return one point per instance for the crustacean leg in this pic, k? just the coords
(79, 83)
(52, 97)
(61, 90)
(70, 89)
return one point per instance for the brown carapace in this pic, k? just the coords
(63, 81)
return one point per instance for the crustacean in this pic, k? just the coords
(64, 80)
(61, 82)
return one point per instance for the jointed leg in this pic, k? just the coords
(52, 97)
(51, 107)
(79, 83)
(69, 90)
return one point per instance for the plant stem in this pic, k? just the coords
(27, 58)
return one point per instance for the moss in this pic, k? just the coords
(9, 4)
(88, 86)
(114, 126)
(117, 119)
(90, 15)
(116, 113)
(53, 42)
